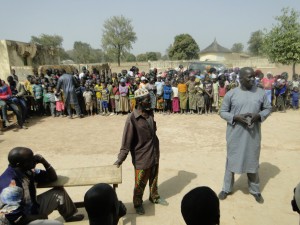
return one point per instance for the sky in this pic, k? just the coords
(155, 22)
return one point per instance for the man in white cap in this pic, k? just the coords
(139, 138)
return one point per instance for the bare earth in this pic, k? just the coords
(192, 154)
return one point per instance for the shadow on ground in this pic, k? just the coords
(267, 171)
(166, 189)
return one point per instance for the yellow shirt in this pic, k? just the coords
(182, 87)
(28, 87)
(98, 89)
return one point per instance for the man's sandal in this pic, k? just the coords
(159, 201)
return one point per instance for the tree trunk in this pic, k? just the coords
(119, 55)
(294, 68)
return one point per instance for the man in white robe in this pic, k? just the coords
(244, 108)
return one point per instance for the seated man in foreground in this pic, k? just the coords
(22, 172)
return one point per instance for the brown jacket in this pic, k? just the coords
(139, 137)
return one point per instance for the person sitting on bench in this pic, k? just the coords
(21, 171)
(5, 101)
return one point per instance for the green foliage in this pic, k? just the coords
(81, 52)
(184, 48)
(152, 56)
(51, 41)
(237, 47)
(255, 43)
(282, 42)
(84, 53)
(48, 40)
(130, 57)
(165, 57)
(141, 58)
(97, 56)
(118, 37)
(64, 55)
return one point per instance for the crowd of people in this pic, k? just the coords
(243, 108)
(109, 93)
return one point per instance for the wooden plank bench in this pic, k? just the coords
(87, 176)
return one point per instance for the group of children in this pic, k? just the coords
(170, 92)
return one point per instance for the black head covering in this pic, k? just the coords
(101, 205)
(201, 206)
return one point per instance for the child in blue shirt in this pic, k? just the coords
(295, 97)
(167, 97)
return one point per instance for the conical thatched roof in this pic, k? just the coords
(215, 48)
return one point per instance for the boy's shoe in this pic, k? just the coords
(159, 201)
(140, 210)
(23, 127)
(7, 123)
(75, 218)
(258, 197)
(223, 195)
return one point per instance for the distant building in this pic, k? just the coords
(24, 56)
(216, 52)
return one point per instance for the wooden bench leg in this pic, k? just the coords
(115, 186)
(79, 204)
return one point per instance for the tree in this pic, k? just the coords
(237, 47)
(152, 56)
(118, 36)
(184, 48)
(141, 58)
(129, 57)
(82, 52)
(97, 56)
(282, 42)
(255, 43)
(50, 41)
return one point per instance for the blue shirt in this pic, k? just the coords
(167, 92)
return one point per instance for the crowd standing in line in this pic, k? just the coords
(105, 93)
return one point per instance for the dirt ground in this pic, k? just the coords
(192, 154)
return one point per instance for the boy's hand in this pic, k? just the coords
(118, 163)
(39, 159)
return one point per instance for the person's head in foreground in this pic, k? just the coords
(296, 200)
(102, 205)
(201, 206)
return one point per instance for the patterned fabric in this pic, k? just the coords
(175, 104)
(141, 179)
(160, 102)
(183, 100)
(220, 101)
(5, 91)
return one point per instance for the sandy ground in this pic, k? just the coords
(192, 154)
